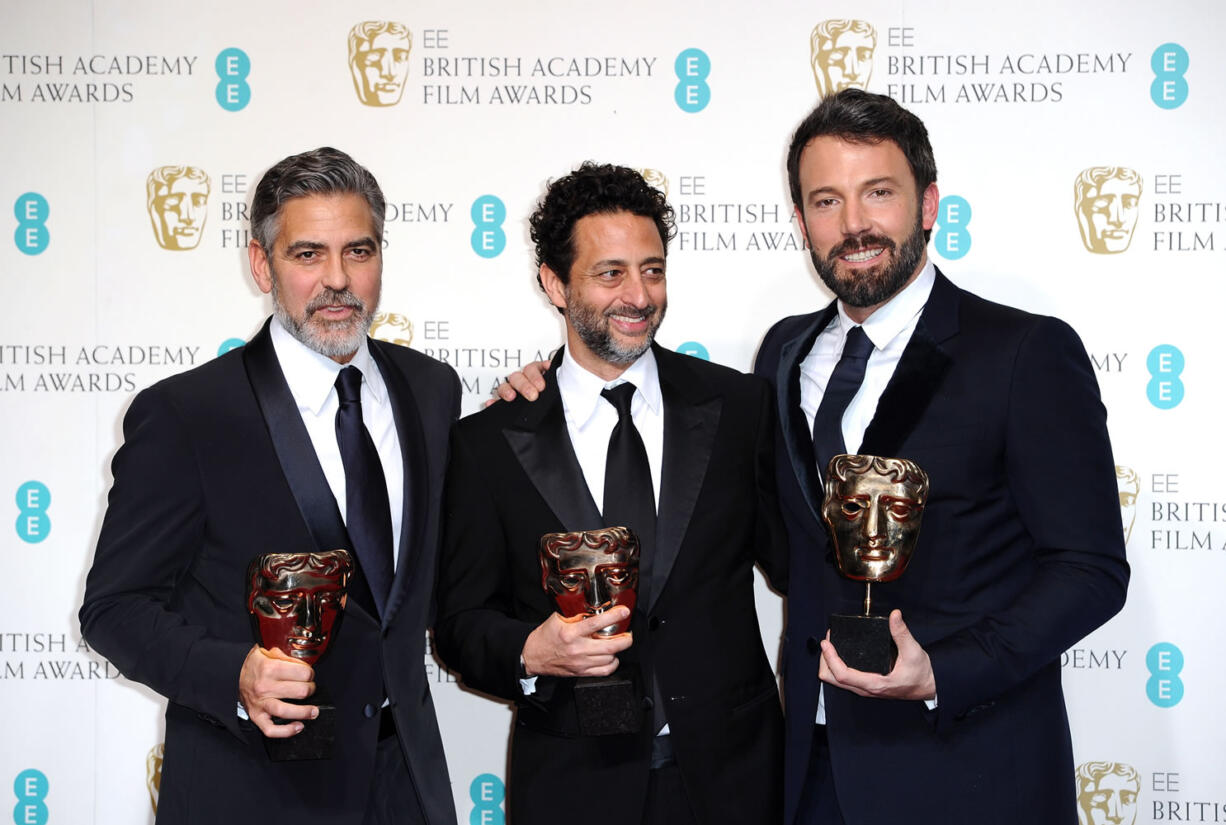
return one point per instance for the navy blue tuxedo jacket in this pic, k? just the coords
(216, 468)
(1020, 555)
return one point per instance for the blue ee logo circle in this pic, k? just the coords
(31, 236)
(487, 793)
(233, 91)
(30, 787)
(1165, 363)
(1164, 688)
(695, 349)
(1170, 63)
(33, 523)
(692, 68)
(953, 239)
(488, 214)
(229, 344)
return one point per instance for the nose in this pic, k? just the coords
(634, 291)
(187, 211)
(387, 65)
(596, 594)
(1115, 213)
(334, 275)
(855, 219)
(872, 523)
(306, 613)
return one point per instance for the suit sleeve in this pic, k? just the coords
(153, 529)
(1060, 474)
(476, 632)
(771, 539)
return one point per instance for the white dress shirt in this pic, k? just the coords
(889, 328)
(312, 378)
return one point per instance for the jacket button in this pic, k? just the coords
(654, 623)
(814, 645)
(369, 711)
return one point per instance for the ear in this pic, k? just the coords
(554, 288)
(800, 221)
(931, 205)
(261, 272)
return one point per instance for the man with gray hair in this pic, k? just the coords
(312, 437)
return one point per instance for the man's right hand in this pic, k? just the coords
(527, 382)
(566, 647)
(267, 678)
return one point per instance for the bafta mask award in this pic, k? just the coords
(873, 507)
(296, 601)
(587, 573)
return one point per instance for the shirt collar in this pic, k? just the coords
(312, 376)
(581, 389)
(896, 314)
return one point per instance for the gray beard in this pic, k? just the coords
(330, 339)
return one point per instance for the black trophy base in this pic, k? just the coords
(864, 642)
(607, 705)
(314, 742)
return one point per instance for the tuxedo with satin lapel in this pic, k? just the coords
(1020, 555)
(217, 468)
(514, 477)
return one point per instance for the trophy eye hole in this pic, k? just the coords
(902, 510)
(852, 508)
(572, 580)
(616, 575)
(283, 604)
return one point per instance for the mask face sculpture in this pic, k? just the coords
(873, 507)
(296, 600)
(590, 572)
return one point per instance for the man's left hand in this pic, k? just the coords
(911, 678)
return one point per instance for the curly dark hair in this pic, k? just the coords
(592, 189)
(857, 116)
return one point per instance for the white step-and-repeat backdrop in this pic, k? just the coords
(1082, 175)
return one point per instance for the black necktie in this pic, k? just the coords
(843, 385)
(368, 516)
(629, 498)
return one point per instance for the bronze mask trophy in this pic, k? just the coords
(873, 507)
(589, 572)
(296, 601)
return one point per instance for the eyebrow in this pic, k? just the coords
(298, 246)
(654, 259)
(868, 184)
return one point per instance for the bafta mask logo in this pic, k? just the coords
(841, 52)
(392, 327)
(655, 178)
(296, 599)
(1130, 486)
(1106, 199)
(873, 506)
(591, 571)
(153, 773)
(379, 61)
(1107, 793)
(178, 199)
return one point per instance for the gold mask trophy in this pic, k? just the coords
(588, 572)
(873, 507)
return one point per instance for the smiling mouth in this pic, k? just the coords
(862, 256)
(874, 553)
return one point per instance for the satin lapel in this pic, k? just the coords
(541, 442)
(797, 435)
(691, 419)
(296, 455)
(416, 475)
(918, 375)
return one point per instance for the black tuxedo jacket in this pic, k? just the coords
(1020, 554)
(216, 468)
(514, 477)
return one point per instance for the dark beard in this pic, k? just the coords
(593, 330)
(881, 283)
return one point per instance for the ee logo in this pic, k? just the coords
(31, 210)
(488, 214)
(487, 793)
(953, 238)
(233, 92)
(692, 68)
(30, 787)
(1164, 661)
(1165, 363)
(229, 344)
(695, 349)
(1170, 63)
(33, 523)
